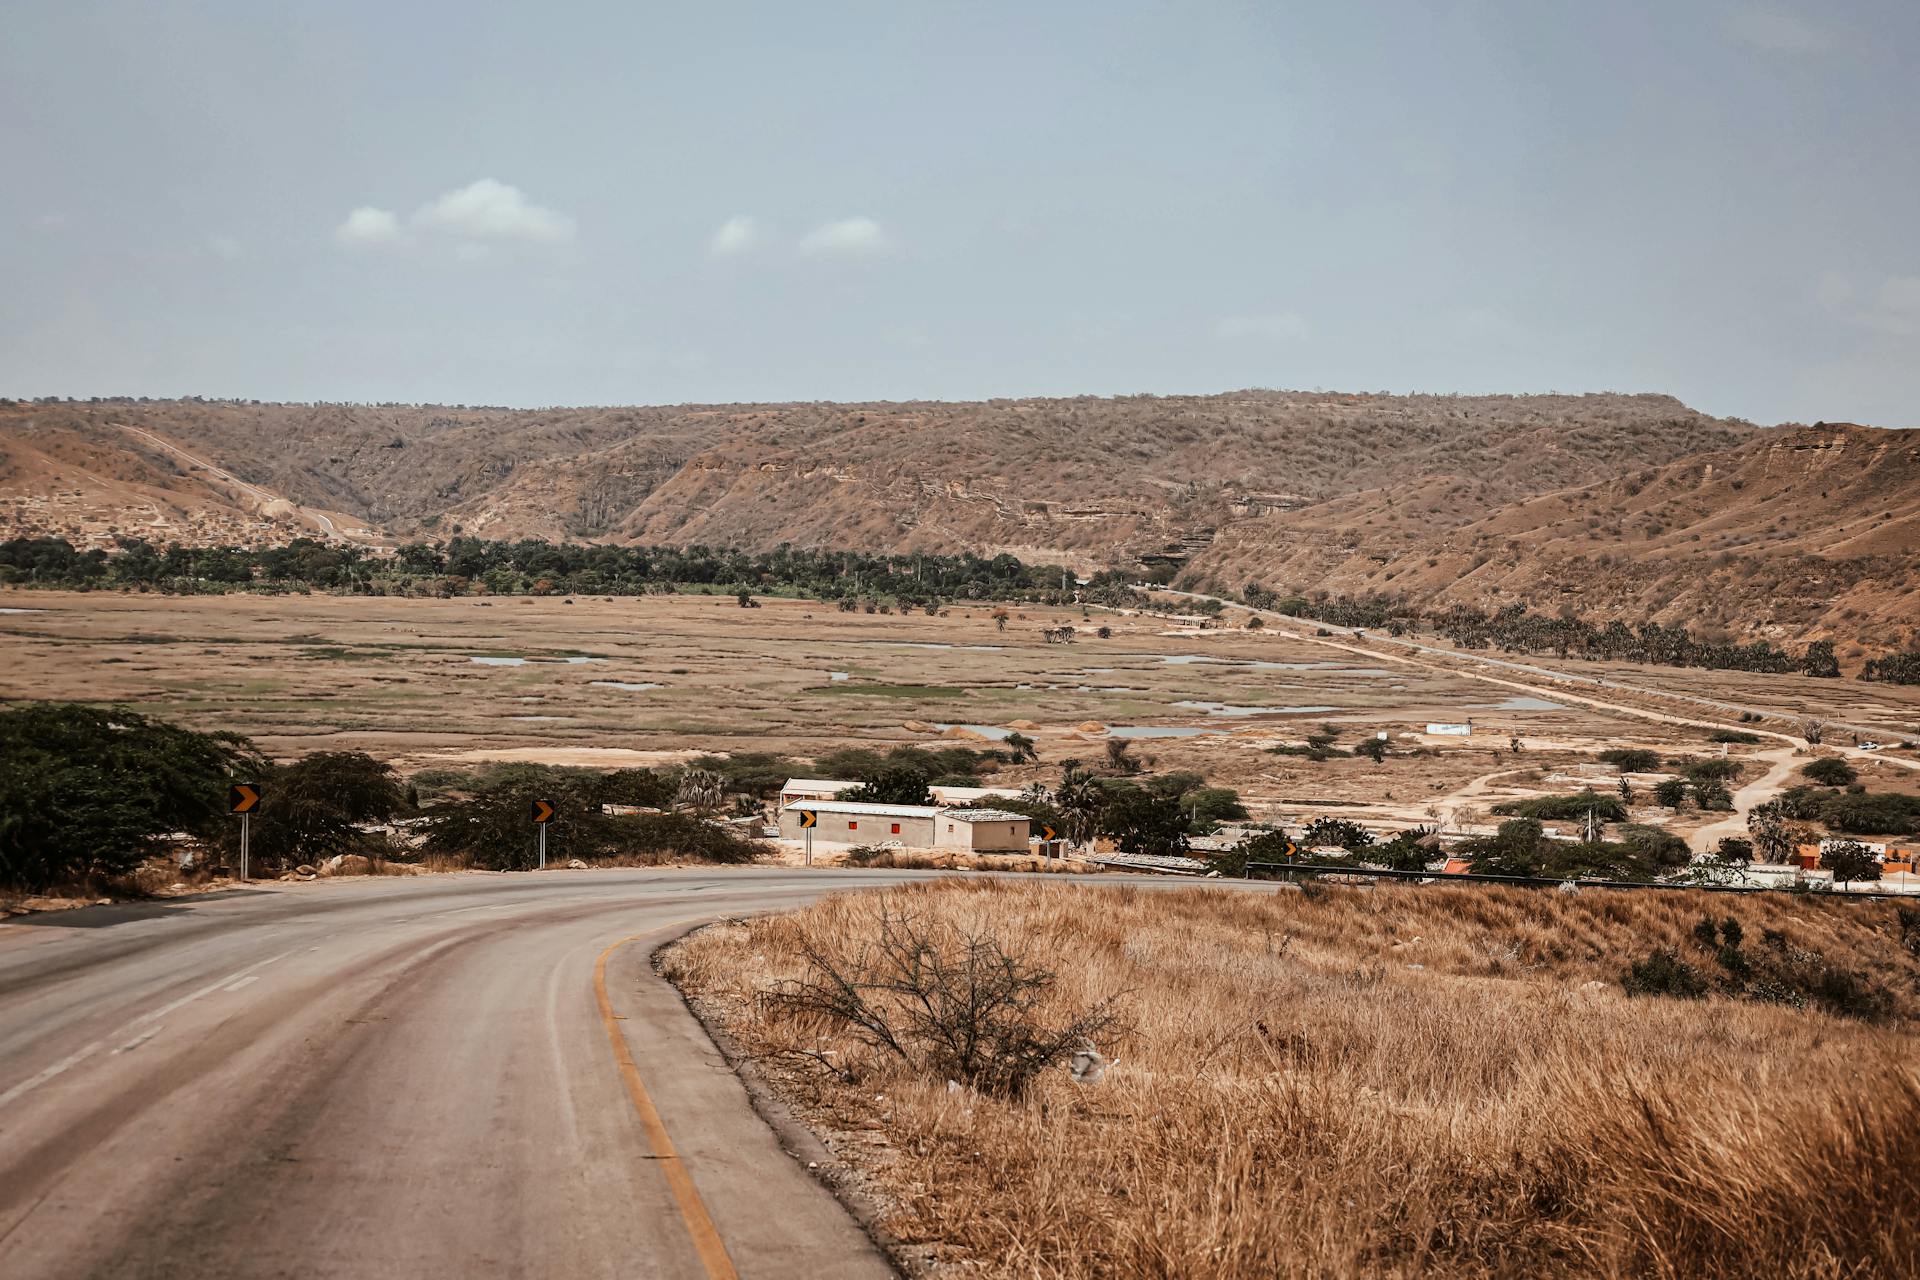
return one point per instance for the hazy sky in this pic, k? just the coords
(577, 203)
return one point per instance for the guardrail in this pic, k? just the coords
(1551, 882)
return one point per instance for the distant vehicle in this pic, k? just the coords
(1871, 746)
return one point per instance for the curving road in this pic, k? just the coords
(454, 1075)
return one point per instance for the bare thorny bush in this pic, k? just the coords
(945, 1001)
(1443, 1082)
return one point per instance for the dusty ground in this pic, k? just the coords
(399, 678)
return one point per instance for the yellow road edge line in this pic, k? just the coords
(693, 1211)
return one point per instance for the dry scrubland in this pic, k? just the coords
(608, 683)
(1438, 1082)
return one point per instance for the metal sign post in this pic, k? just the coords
(542, 814)
(808, 821)
(243, 798)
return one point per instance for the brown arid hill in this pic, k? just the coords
(1808, 533)
(1098, 481)
(1628, 506)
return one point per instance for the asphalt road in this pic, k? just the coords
(463, 1075)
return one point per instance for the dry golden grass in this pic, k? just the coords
(1436, 1082)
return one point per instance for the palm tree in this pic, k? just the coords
(1021, 747)
(701, 790)
(1079, 797)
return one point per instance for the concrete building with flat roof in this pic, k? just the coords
(914, 826)
(982, 830)
(847, 822)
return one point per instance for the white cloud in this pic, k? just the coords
(735, 235)
(490, 210)
(368, 225)
(849, 236)
(1275, 326)
(1777, 31)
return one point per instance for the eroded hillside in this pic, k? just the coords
(1105, 479)
(1806, 534)
(1616, 506)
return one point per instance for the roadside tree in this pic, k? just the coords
(895, 784)
(1849, 860)
(315, 808)
(92, 791)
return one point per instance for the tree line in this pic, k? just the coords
(1515, 629)
(88, 794)
(534, 566)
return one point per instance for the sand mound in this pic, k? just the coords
(968, 734)
(917, 726)
(1022, 725)
(1091, 726)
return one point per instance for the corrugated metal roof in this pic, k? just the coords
(817, 784)
(985, 815)
(860, 806)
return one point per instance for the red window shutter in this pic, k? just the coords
(853, 826)
(896, 828)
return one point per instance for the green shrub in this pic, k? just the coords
(1872, 814)
(1350, 836)
(893, 784)
(1140, 822)
(1707, 770)
(315, 807)
(1566, 808)
(1830, 771)
(666, 835)
(1207, 807)
(1513, 850)
(1664, 973)
(1632, 759)
(1404, 852)
(1670, 792)
(493, 827)
(90, 791)
(1267, 846)
(1713, 796)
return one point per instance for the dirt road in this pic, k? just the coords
(265, 497)
(464, 1075)
(1401, 649)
